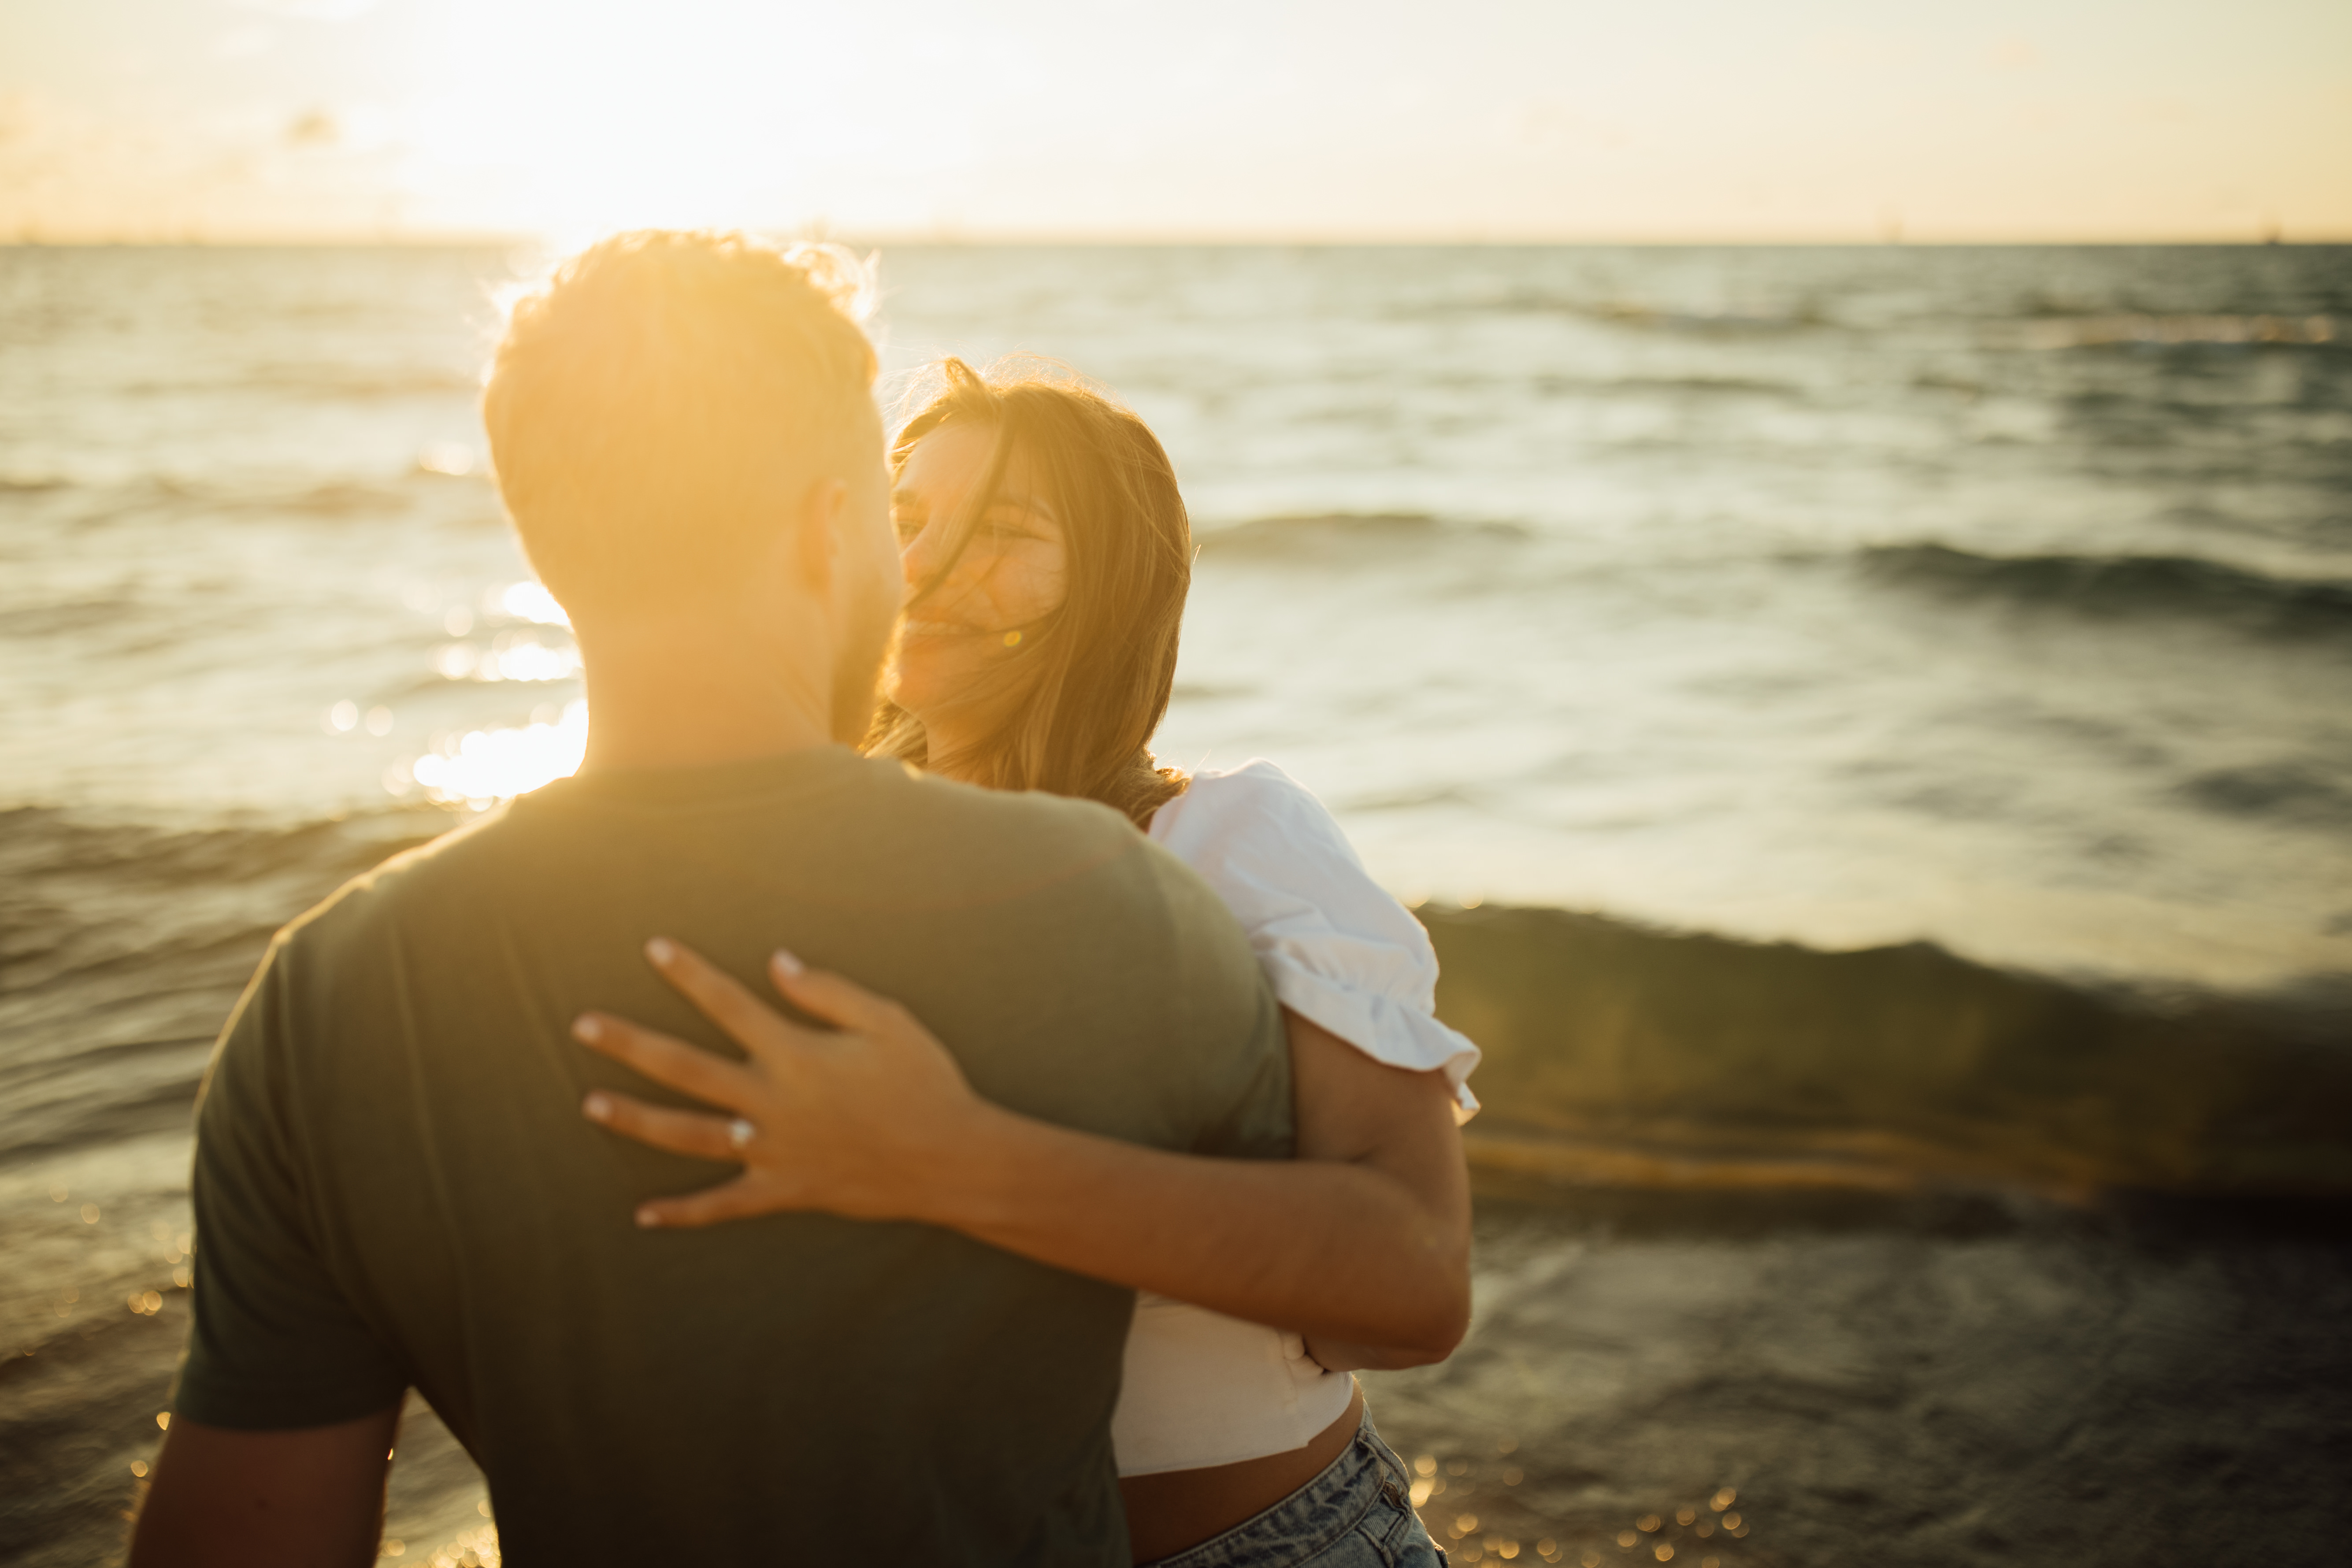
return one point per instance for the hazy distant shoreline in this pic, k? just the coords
(887, 242)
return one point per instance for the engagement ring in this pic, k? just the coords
(740, 1132)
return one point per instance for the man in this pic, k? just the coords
(394, 1184)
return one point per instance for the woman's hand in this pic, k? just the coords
(851, 1122)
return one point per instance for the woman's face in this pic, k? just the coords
(1012, 572)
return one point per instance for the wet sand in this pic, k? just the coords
(1937, 1379)
(1930, 1380)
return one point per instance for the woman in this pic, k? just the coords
(1047, 556)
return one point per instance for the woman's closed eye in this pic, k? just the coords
(1008, 522)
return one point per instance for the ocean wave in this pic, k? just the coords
(2139, 330)
(2044, 328)
(1707, 322)
(1327, 533)
(40, 843)
(320, 379)
(123, 945)
(1614, 1052)
(330, 499)
(100, 1096)
(336, 498)
(1625, 1055)
(2178, 585)
(1670, 385)
(2287, 791)
(61, 617)
(1630, 313)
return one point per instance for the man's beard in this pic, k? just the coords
(858, 669)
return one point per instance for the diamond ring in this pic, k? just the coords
(740, 1133)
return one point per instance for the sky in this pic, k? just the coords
(1568, 120)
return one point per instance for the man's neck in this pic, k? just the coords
(685, 694)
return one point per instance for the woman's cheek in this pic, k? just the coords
(1015, 591)
(1047, 584)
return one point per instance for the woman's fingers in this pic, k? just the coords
(842, 1118)
(830, 996)
(686, 1068)
(691, 1132)
(754, 1023)
(751, 1023)
(737, 1199)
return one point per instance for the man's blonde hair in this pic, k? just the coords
(653, 404)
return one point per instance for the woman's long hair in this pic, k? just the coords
(1095, 675)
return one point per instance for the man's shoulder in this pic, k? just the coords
(405, 883)
(1079, 883)
(986, 842)
(897, 837)
(1034, 813)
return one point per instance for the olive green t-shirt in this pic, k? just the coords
(395, 1187)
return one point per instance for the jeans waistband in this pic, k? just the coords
(1321, 1510)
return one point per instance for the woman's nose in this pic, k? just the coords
(915, 556)
(924, 555)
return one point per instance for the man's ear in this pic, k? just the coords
(823, 511)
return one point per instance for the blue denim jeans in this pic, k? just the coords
(1357, 1514)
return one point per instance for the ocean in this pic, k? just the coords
(1875, 721)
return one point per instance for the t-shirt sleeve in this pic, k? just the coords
(1340, 950)
(275, 1344)
(1225, 1073)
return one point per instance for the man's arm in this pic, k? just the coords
(268, 1458)
(314, 1496)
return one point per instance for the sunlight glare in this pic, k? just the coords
(484, 767)
(574, 119)
(529, 601)
(508, 657)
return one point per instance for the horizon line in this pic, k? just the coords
(1168, 239)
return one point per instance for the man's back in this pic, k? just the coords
(394, 1185)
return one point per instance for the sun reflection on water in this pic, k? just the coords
(508, 657)
(529, 601)
(482, 767)
(479, 768)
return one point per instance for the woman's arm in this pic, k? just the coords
(1362, 1243)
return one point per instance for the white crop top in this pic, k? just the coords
(1201, 1388)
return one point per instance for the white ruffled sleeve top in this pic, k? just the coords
(1201, 1388)
(1342, 951)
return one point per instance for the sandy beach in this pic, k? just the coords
(1943, 1380)
(1961, 1379)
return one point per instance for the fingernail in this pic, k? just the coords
(585, 1027)
(661, 950)
(784, 963)
(597, 1108)
(648, 1219)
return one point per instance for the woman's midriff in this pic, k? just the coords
(1175, 1510)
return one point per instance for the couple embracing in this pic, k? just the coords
(1086, 1126)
